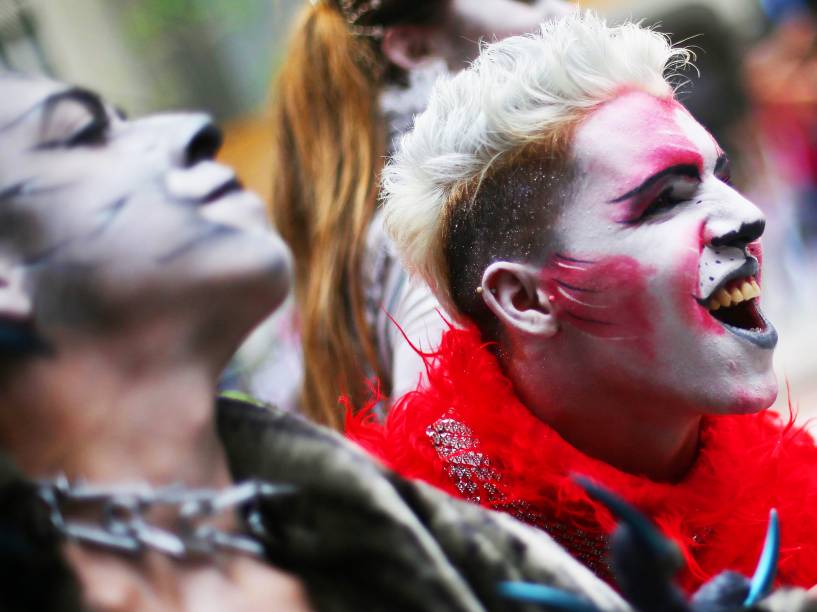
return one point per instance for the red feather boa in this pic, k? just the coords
(717, 514)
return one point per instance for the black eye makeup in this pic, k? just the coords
(659, 193)
(723, 169)
(677, 191)
(73, 118)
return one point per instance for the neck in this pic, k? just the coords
(120, 417)
(624, 427)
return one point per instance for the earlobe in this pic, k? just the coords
(407, 47)
(512, 292)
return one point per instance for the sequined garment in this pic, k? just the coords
(474, 477)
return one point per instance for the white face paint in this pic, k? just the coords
(454, 44)
(652, 237)
(131, 217)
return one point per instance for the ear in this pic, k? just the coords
(15, 304)
(511, 291)
(407, 47)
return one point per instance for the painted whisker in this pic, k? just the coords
(578, 301)
(587, 320)
(574, 287)
(573, 259)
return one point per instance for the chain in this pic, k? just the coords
(123, 523)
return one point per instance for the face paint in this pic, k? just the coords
(756, 250)
(605, 298)
(132, 214)
(650, 192)
(661, 174)
(689, 277)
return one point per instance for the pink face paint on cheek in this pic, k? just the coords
(606, 298)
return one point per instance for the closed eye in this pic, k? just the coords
(667, 199)
(670, 194)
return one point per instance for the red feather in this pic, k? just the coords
(717, 514)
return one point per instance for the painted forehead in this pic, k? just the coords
(637, 135)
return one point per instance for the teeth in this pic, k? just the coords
(747, 290)
(736, 295)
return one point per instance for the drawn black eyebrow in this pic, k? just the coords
(687, 170)
(88, 99)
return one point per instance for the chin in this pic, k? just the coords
(237, 259)
(749, 396)
(245, 274)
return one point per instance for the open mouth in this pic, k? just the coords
(736, 306)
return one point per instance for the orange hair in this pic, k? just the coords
(328, 148)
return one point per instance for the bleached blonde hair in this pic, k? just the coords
(521, 91)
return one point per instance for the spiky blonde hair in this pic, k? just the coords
(521, 91)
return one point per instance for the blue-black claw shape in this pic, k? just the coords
(767, 564)
(553, 599)
(645, 563)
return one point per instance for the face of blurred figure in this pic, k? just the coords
(112, 221)
(655, 276)
(472, 21)
(428, 53)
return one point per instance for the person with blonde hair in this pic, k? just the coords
(581, 226)
(355, 74)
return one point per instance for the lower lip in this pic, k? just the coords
(765, 338)
(226, 190)
(239, 210)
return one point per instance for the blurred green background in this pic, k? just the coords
(152, 54)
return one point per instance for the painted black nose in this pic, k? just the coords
(747, 233)
(203, 145)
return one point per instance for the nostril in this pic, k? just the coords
(203, 146)
(747, 233)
